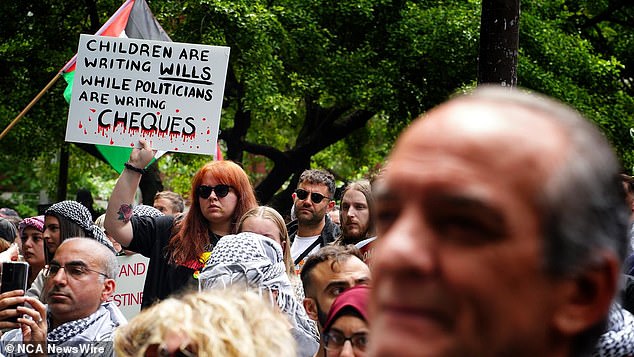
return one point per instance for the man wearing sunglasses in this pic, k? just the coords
(79, 282)
(313, 199)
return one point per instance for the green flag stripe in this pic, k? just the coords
(68, 77)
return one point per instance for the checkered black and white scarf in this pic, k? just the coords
(80, 215)
(145, 210)
(618, 339)
(66, 331)
(254, 261)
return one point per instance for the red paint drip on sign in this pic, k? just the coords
(187, 137)
(147, 133)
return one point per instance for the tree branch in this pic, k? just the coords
(344, 127)
(277, 156)
(607, 13)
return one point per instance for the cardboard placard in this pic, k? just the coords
(168, 93)
(130, 281)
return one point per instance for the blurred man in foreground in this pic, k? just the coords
(502, 228)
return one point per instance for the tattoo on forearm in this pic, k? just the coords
(125, 213)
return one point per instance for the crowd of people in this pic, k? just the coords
(499, 226)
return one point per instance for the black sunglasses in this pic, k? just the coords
(314, 196)
(205, 191)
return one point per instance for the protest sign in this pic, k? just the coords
(366, 247)
(130, 281)
(168, 93)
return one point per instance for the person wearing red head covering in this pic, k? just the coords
(31, 232)
(346, 329)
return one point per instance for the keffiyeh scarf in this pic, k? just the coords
(618, 339)
(80, 215)
(254, 261)
(68, 330)
(36, 222)
(145, 210)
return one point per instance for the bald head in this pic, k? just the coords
(503, 139)
(101, 253)
(80, 279)
(497, 214)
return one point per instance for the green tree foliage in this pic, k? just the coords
(305, 75)
(36, 39)
(319, 83)
(560, 56)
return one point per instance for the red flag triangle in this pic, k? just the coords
(113, 27)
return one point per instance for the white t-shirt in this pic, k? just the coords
(300, 244)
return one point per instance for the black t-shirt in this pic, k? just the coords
(150, 238)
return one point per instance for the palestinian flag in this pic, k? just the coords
(133, 20)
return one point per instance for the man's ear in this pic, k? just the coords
(310, 305)
(108, 289)
(587, 297)
(331, 205)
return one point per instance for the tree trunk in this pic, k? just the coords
(93, 14)
(282, 202)
(499, 41)
(281, 172)
(62, 177)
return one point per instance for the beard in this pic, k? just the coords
(355, 235)
(309, 220)
(321, 315)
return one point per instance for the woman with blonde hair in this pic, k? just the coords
(268, 222)
(252, 261)
(220, 194)
(228, 323)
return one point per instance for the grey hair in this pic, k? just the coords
(111, 265)
(582, 202)
(319, 177)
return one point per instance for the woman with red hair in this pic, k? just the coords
(221, 193)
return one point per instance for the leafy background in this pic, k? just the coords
(325, 84)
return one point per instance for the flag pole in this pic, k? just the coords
(59, 74)
(30, 105)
